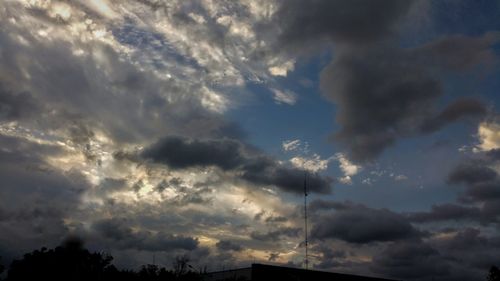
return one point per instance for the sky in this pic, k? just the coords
(157, 129)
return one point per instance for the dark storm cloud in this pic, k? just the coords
(460, 52)
(320, 205)
(410, 260)
(226, 245)
(195, 195)
(482, 182)
(458, 247)
(276, 219)
(232, 155)
(124, 237)
(493, 155)
(484, 191)
(359, 21)
(383, 92)
(380, 97)
(181, 153)
(198, 194)
(446, 212)
(360, 225)
(456, 110)
(458, 255)
(330, 258)
(471, 173)
(478, 202)
(277, 234)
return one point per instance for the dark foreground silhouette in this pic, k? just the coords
(494, 274)
(71, 261)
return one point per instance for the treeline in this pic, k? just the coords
(72, 262)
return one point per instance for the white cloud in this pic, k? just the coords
(313, 163)
(287, 97)
(400, 178)
(345, 180)
(214, 101)
(348, 168)
(102, 7)
(283, 69)
(489, 136)
(367, 181)
(60, 11)
(304, 160)
(291, 145)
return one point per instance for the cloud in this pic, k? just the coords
(348, 168)
(320, 205)
(124, 237)
(276, 235)
(330, 258)
(273, 257)
(359, 224)
(432, 250)
(290, 145)
(443, 257)
(471, 173)
(460, 52)
(397, 97)
(372, 111)
(312, 163)
(286, 97)
(232, 155)
(469, 240)
(489, 136)
(181, 153)
(306, 24)
(226, 245)
(460, 108)
(482, 182)
(83, 85)
(84, 93)
(410, 260)
(303, 159)
(35, 198)
(479, 174)
(400, 178)
(16, 106)
(282, 70)
(382, 92)
(446, 212)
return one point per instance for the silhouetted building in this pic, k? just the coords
(259, 272)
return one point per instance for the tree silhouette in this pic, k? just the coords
(181, 269)
(2, 268)
(72, 262)
(152, 272)
(180, 265)
(494, 274)
(67, 262)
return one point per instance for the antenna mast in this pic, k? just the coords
(305, 219)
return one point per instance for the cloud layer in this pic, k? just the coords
(154, 127)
